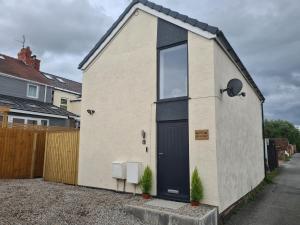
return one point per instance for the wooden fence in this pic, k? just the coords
(39, 154)
(26, 151)
(61, 156)
(17, 153)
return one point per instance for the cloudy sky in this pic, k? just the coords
(264, 33)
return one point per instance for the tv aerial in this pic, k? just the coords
(234, 88)
(22, 41)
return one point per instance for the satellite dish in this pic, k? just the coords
(234, 87)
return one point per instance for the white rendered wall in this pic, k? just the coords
(202, 153)
(120, 85)
(239, 135)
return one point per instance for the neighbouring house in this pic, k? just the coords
(151, 96)
(33, 96)
(276, 149)
(282, 146)
(271, 154)
(66, 93)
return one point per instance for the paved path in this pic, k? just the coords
(278, 204)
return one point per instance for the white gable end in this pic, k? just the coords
(153, 12)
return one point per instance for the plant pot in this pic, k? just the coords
(146, 196)
(195, 203)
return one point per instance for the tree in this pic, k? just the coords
(282, 129)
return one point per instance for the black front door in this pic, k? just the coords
(173, 160)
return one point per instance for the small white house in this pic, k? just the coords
(151, 94)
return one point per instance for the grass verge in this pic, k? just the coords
(270, 176)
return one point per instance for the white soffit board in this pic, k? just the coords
(153, 12)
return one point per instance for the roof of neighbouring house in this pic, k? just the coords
(15, 67)
(33, 106)
(63, 83)
(185, 19)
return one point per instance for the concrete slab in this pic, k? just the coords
(165, 204)
(165, 216)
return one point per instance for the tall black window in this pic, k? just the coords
(173, 72)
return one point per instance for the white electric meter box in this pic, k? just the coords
(119, 170)
(134, 170)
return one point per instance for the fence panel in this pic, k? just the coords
(39, 156)
(61, 157)
(17, 148)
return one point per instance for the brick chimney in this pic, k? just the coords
(25, 56)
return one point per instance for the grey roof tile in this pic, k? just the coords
(157, 7)
(191, 21)
(149, 4)
(181, 17)
(173, 14)
(165, 10)
(32, 106)
(201, 25)
(69, 85)
(212, 29)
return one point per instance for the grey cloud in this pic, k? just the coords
(60, 33)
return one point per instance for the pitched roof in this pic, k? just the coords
(33, 106)
(218, 35)
(63, 83)
(17, 68)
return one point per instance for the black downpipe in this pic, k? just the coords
(263, 136)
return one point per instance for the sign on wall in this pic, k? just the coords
(201, 134)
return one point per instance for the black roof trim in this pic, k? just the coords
(185, 19)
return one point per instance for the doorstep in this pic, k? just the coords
(162, 212)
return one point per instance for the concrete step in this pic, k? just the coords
(165, 217)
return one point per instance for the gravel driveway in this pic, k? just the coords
(38, 202)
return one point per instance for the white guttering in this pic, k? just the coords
(37, 113)
(153, 12)
(45, 93)
(61, 89)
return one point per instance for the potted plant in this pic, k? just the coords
(196, 189)
(146, 183)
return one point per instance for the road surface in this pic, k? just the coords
(278, 203)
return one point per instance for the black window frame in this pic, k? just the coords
(158, 73)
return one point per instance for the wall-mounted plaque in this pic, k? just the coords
(201, 135)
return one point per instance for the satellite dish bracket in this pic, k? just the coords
(223, 90)
(234, 87)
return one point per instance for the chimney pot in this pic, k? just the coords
(25, 56)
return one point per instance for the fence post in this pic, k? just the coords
(77, 157)
(33, 155)
(45, 154)
(4, 110)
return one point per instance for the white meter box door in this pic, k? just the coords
(133, 172)
(119, 170)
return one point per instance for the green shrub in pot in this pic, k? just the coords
(145, 182)
(196, 188)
